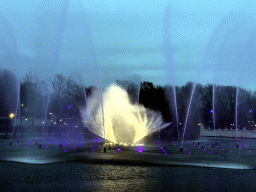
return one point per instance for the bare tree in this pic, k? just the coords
(60, 86)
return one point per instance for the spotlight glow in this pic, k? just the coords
(123, 122)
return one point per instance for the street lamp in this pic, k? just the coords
(11, 115)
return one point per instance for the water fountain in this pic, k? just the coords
(169, 51)
(124, 122)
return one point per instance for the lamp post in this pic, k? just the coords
(11, 116)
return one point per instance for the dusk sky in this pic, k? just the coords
(107, 40)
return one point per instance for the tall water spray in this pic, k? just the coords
(17, 107)
(50, 22)
(237, 92)
(186, 121)
(169, 51)
(92, 60)
(213, 108)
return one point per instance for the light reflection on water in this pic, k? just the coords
(95, 177)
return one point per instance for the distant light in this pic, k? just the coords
(11, 115)
(211, 111)
(69, 107)
(26, 119)
(50, 113)
(21, 105)
(43, 122)
(250, 111)
(60, 119)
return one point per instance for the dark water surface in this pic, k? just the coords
(105, 177)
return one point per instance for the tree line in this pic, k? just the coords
(62, 97)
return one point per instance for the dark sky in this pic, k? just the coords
(104, 40)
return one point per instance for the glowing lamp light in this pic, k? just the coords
(69, 107)
(140, 149)
(211, 111)
(11, 115)
(250, 111)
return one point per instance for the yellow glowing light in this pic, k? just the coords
(60, 119)
(26, 119)
(50, 113)
(11, 115)
(180, 123)
(22, 105)
(43, 122)
(199, 123)
(124, 122)
(54, 123)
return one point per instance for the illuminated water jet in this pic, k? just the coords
(123, 122)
